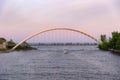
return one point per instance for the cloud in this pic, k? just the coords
(39, 14)
(30, 13)
(53, 10)
(2, 4)
(117, 4)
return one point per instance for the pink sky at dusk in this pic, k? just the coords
(21, 18)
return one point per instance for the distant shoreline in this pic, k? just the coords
(63, 44)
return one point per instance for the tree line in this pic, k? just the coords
(113, 43)
(10, 44)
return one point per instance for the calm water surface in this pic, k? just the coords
(50, 63)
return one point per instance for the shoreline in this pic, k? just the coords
(114, 51)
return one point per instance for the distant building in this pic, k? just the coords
(1, 46)
(3, 43)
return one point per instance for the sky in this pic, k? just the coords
(21, 18)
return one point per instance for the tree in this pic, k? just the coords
(11, 44)
(117, 45)
(103, 38)
(2, 40)
(114, 41)
(104, 45)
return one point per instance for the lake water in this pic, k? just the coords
(51, 63)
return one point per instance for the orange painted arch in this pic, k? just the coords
(52, 29)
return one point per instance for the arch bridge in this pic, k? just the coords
(52, 29)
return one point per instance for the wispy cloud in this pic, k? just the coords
(35, 14)
(56, 10)
(117, 4)
(2, 4)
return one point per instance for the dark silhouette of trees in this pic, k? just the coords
(112, 44)
(11, 44)
(104, 45)
(2, 40)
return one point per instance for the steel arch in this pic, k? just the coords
(52, 29)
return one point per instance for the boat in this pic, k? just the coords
(65, 51)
